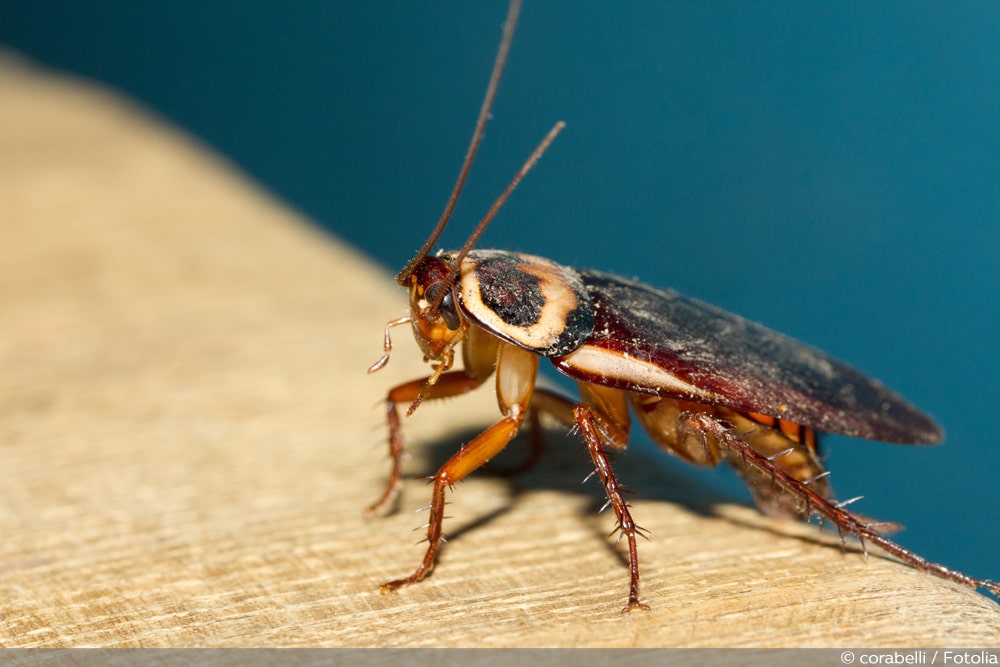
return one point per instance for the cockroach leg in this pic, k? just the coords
(555, 405)
(453, 383)
(543, 401)
(846, 522)
(602, 418)
(516, 370)
(447, 359)
(593, 427)
(470, 457)
(387, 343)
(536, 446)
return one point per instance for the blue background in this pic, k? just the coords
(829, 169)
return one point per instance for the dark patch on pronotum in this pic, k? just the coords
(511, 293)
(579, 327)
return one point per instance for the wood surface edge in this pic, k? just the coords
(86, 563)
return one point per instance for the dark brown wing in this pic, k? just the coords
(738, 364)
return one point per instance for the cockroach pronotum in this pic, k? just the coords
(707, 385)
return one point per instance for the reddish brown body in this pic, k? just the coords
(707, 385)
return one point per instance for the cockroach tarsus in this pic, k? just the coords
(706, 385)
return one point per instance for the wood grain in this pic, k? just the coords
(188, 438)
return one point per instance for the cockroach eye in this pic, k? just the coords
(449, 312)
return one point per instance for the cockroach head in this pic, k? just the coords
(433, 310)
(431, 280)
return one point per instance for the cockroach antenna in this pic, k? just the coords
(477, 136)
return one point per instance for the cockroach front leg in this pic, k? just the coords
(452, 383)
(516, 370)
(543, 401)
(815, 503)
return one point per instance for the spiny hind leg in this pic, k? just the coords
(791, 447)
(815, 502)
(788, 445)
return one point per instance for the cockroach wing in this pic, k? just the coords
(659, 342)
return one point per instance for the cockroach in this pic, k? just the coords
(706, 385)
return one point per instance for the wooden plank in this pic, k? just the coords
(188, 438)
